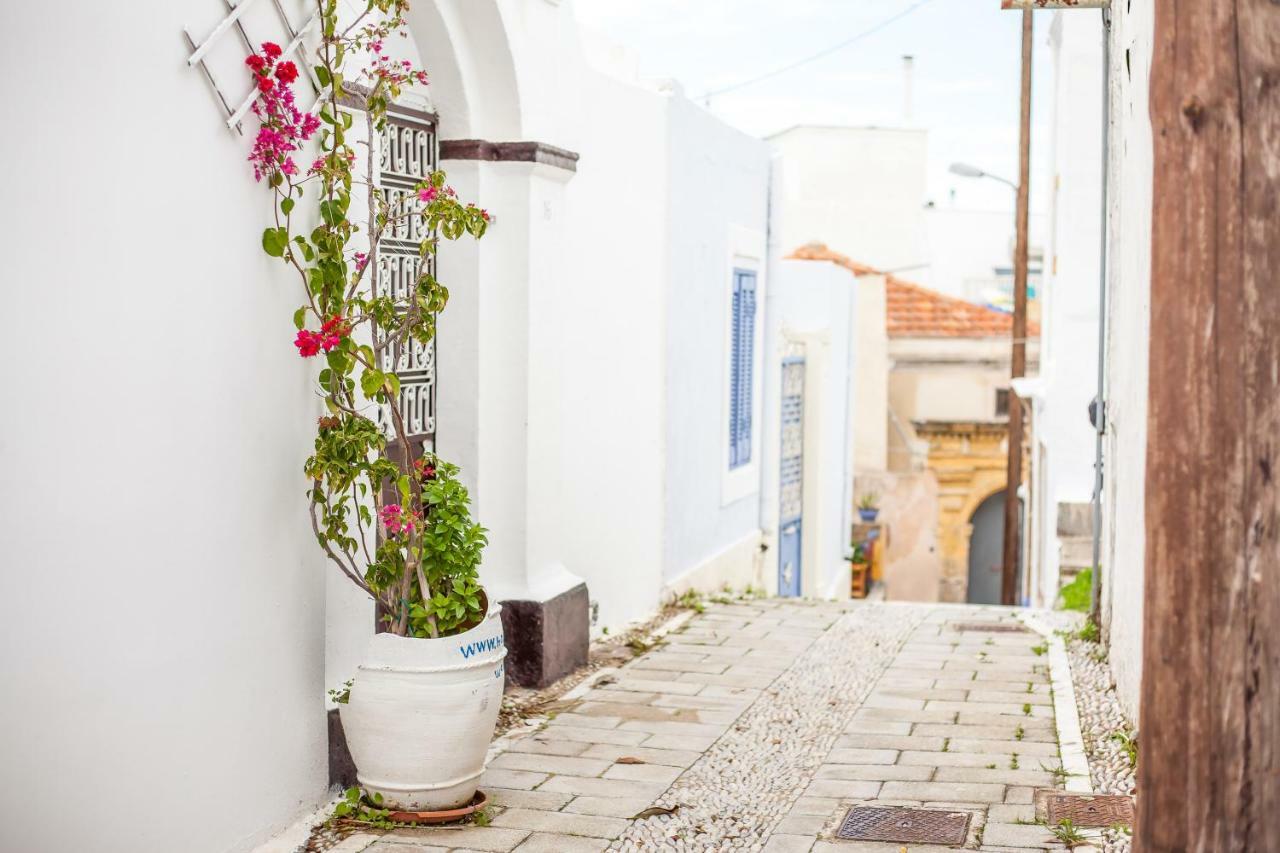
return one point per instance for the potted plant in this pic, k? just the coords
(858, 571)
(869, 507)
(421, 710)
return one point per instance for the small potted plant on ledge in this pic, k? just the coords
(859, 572)
(395, 520)
(869, 507)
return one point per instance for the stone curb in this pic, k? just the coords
(1065, 714)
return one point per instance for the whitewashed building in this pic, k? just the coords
(1063, 440)
(608, 374)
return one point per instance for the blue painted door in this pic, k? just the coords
(791, 479)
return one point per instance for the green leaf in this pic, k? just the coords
(274, 240)
(371, 382)
(322, 74)
(300, 317)
(286, 206)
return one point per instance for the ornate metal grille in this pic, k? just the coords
(792, 473)
(407, 150)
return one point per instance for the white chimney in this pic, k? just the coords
(908, 85)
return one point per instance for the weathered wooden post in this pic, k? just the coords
(1209, 773)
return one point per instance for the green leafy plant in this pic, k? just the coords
(1026, 708)
(1040, 649)
(1058, 773)
(1067, 833)
(394, 520)
(858, 555)
(1019, 733)
(869, 500)
(1128, 741)
(341, 695)
(1088, 632)
(1013, 761)
(691, 599)
(1077, 594)
(357, 808)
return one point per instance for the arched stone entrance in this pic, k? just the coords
(969, 460)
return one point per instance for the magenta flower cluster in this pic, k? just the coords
(394, 72)
(284, 127)
(398, 520)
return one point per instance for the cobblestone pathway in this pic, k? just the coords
(757, 725)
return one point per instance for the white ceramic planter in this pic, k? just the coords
(422, 714)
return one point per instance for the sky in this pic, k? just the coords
(966, 61)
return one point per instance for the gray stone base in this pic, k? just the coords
(546, 640)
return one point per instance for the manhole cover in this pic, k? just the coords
(997, 627)
(867, 823)
(1084, 809)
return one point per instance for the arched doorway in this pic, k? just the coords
(986, 546)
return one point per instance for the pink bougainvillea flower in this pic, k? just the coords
(361, 259)
(425, 469)
(307, 342)
(427, 193)
(335, 325)
(396, 520)
(284, 127)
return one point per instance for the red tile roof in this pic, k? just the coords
(912, 311)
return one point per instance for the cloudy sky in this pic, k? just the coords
(966, 73)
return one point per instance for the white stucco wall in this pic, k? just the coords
(715, 220)
(860, 190)
(1063, 463)
(164, 597)
(1128, 337)
(609, 312)
(871, 378)
(811, 313)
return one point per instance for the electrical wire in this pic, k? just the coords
(816, 56)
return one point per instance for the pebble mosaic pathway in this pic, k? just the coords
(757, 725)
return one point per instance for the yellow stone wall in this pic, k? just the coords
(970, 461)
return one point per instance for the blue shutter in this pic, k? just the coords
(741, 367)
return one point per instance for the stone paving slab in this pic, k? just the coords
(757, 725)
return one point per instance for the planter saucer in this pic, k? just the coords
(478, 802)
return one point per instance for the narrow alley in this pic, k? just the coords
(759, 725)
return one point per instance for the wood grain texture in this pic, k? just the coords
(1209, 771)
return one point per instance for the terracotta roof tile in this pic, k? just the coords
(912, 311)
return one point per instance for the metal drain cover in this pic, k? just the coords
(996, 627)
(1084, 809)
(930, 826)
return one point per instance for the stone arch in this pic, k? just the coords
(466, 48)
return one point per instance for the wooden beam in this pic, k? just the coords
(1209, 767)
(1018, 361)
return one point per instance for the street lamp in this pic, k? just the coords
(964, 170)
(1018, 359)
